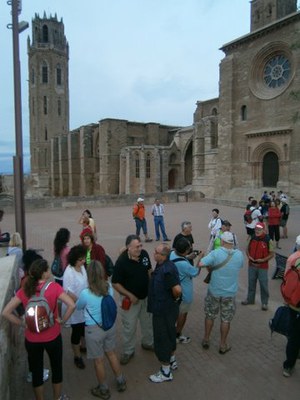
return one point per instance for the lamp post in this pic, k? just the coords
(17, 28)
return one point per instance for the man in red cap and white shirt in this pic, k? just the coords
(259, 252)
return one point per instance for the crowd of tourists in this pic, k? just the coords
(158, 296)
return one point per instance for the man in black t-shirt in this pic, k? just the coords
(186, 232)
(131, 279)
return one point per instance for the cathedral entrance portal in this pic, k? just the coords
(270, 172)
(172, 179)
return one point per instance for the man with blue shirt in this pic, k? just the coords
(186, 274)
(225, 264)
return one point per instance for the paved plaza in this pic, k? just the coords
(251, 370)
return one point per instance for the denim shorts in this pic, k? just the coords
(99, 341)
(226, 306)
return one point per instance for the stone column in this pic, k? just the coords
(142, 171)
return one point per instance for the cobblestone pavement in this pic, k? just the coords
(251, 370)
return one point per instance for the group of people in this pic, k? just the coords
(159, 297)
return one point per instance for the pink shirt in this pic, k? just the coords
(291, 260)
(64, 256)
(52, 293)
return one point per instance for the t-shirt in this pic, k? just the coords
(92, 302)
(180, 236)
(75, 282)
(133, 275)
(255, 217)
(52, 294)
(224, 281)
(186, 274)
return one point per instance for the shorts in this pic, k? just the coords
(283, 222)
(184, 308)
(226, 306)
(99, 341)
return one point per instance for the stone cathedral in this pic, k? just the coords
(247, 138)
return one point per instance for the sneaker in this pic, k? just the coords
(287, 372)
(264, 307)
(167, 240)
(246, 303)
(78, 361)
(45, 376)
(205, 344)
(64, 397)
(102, 393)
(183, 339)
(148, 240)
(173, 365)
(160, 377)
(121, 385)
(224, 350)
(125, 358)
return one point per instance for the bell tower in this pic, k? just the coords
(48, 58)
(264, 12)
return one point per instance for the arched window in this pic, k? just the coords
(148, 165)
(44, 72)
(45, 34)
(46, 134)
(58, 75)
(45, 105)
(137, 165)
(59, 107)
(214, 111)
(32, 76)
(244, 113)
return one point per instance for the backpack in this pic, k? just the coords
(281, 321)
(108, 312)
(290, 287)
(38, 315)
(248, 217)
(57, 267)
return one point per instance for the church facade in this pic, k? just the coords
(247, 138)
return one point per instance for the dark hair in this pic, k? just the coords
(87, 233)
(96, 278)
(88, 213)
(130, 238)
(28, 257)
(216, 210)
(254, 203)
(75, 253)
(36, 270)
(61, 239)
(182, 245)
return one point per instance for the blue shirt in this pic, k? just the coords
(92, 302)
(224, 281)
(186, 274)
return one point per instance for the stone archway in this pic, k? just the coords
(270, 169)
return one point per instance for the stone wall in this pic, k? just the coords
(13, 362)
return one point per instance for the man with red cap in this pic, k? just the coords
(259, 252)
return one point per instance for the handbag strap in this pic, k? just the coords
(93, 318)
(223, 263)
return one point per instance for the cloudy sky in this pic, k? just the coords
(140, 60)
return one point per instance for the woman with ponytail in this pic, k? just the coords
(49, 339)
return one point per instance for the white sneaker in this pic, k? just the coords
(161, 377)
(183, 339)
(45, 376)
(173, 365)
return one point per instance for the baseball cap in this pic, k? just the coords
(140, 199)
(260, 225)
(226, 223)
(227, 237)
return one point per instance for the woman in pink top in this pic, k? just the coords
(274, 216)
(49, 339)
(62, 249)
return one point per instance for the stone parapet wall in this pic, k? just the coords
(12, 351)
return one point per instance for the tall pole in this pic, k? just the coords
(18, 158)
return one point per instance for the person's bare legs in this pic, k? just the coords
(224, 330)
(114, 362)
(209, 323)
(100, 370)
(181, 320)
(39, 392)
(56, 390)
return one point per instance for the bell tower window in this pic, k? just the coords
(45, 34)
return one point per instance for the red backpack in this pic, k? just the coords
(290, 287)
